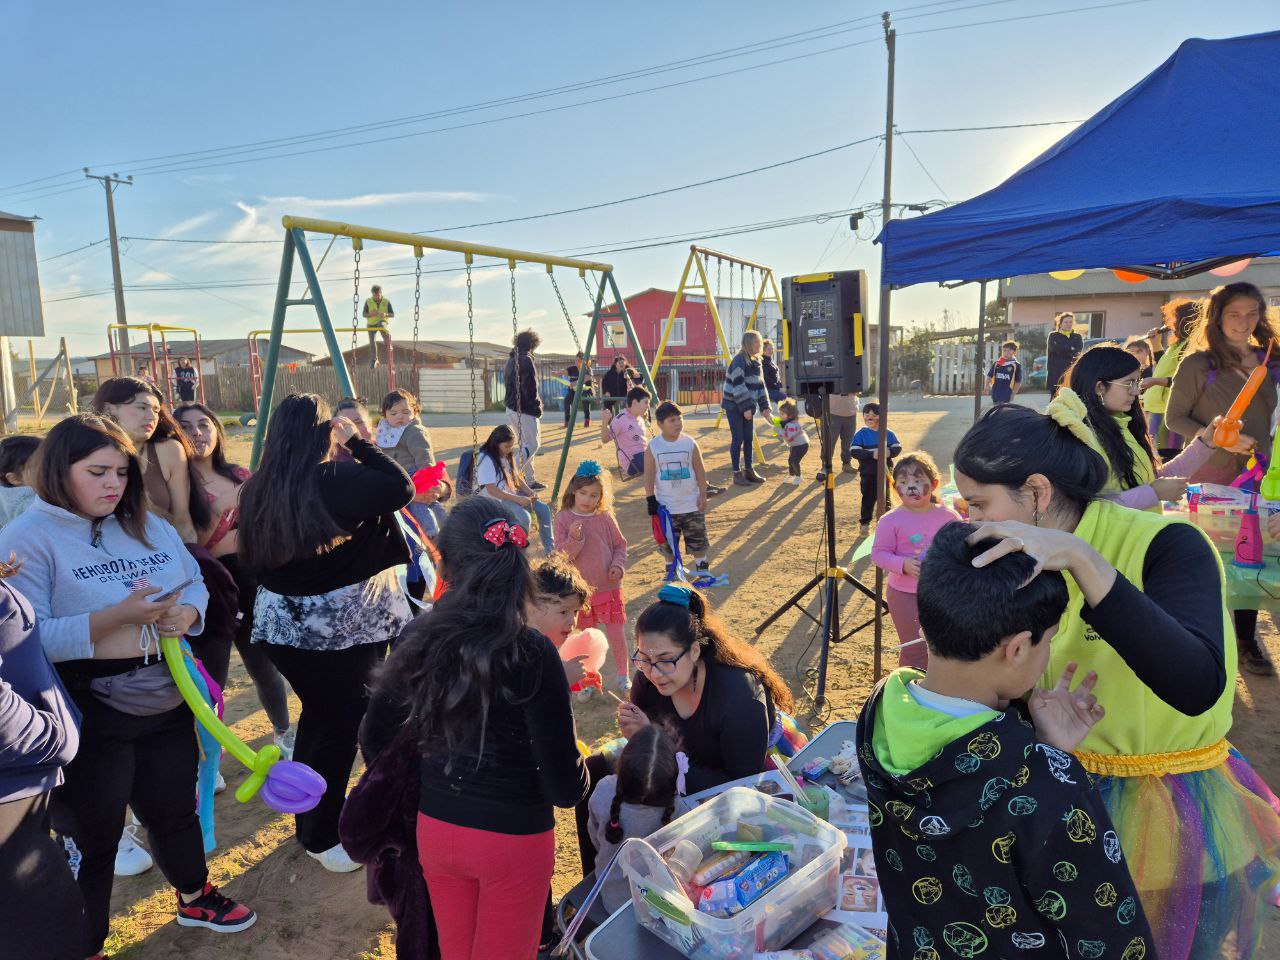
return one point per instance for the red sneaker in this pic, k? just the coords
(211, 909)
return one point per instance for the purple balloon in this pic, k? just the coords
(292, 787)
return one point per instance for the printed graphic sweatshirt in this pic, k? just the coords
(989, 843)
(66, 576)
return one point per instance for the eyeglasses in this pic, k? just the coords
(1133, 386)
(664, 667)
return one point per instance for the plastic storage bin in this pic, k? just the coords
(806, 893)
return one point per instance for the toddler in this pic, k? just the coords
(16, 494)
(630, 432)
(587, 532)
(794, 436)
(902, 536)
(558, 596)
(675, 478)
(643, 796)
(406, 441)
(865, 448)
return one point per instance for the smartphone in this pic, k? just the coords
(170, 594)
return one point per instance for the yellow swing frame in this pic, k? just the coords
(701, 283)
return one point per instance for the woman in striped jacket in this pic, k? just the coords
(744, 394)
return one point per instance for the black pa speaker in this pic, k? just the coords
(828, 332)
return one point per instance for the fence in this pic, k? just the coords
(953, 367)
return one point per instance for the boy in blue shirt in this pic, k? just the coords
(1004, 378)
(865, 448)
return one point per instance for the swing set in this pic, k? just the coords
(295, 248)
(151, 330)
(696, 278)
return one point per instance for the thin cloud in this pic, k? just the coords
(189, 225)
(382, 199)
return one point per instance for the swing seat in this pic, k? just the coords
(465, 485)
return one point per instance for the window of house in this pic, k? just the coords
(1091, 324)
(677, 336)
(615, 334)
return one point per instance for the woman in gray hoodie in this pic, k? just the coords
(91, 559)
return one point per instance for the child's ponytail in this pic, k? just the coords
(647, 776)
(613, 832)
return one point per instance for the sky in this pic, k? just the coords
(183, 97)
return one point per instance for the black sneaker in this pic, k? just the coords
(536, 485)
(702, 566)
(1254, 661)
(216, 912)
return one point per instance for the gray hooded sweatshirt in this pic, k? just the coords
(66, 575)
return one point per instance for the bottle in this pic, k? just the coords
(1249, 539)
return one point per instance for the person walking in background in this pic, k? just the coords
(1064, 345)
(377, 316)
(578, 374)
(186, 378)
(1004, 378)
(524, 404)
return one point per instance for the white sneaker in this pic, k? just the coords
(219, 785)
(585, 694)
(131, 856)
(285, 742)
(624, 683)
(335, 860)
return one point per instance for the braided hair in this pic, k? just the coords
(647, 775)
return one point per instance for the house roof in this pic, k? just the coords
(17, 216)
(186, 348)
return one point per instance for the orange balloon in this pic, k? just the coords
(1128, 276)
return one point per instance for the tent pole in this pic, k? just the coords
(882, 372)
(977, 356)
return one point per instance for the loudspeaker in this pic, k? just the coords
(827, 331)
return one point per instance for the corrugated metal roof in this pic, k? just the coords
(17, 216)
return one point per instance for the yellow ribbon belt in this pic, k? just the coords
(1156, 764)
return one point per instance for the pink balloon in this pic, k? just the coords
(1231, 269)
(292, 787)
(590, 642)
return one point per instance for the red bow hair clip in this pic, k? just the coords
(499, 532)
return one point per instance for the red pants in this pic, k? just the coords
(906, 620)
(488, 890)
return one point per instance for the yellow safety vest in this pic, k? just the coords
(375, 312)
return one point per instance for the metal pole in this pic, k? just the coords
(978, 354)
(577, 394)
(882, 374)
(273, 349)
(108, 184)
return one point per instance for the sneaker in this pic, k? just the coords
(131, 856)
(285, 742)
(585, 694)
(713, 490)
(335, 860)
(220, 785)
(624, 683)
(702, 566)
(864, 529)
(537, 485)
(794, 480)
(216, 912)
(1253, 660)
(740, 479)
(848, 468)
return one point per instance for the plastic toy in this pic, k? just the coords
(428, 477)
(286, 785)
(1227, 433)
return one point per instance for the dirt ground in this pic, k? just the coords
(767, 539)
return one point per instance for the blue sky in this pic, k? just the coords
(112, 87)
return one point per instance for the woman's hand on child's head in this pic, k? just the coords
(1063, 717)
(342, 429)
(911, 567)
(630, 719)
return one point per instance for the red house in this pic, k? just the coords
(693, 334)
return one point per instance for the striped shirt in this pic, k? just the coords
(744, 386)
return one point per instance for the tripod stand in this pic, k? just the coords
(832, 577)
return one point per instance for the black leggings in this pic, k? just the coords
(867, 473)
(270, 686)
(41, 912)
(1246, 622)
(795, 456)
(145, 763)
(333, 688)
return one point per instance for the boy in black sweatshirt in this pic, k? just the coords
(990, 840)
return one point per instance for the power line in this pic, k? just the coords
(856, 190)
(67, 253)
(912, 151)
(207, 293)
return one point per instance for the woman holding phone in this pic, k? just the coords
(92, 563)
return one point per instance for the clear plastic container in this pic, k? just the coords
(807, 892)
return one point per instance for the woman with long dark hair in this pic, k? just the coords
(1148, 614)
(486, 699)
(1100, 407)
(221, 482)
(163, 451)
(1180, 317)
(323, 540)
(497, 478)
(91, 559)
(1062, 348)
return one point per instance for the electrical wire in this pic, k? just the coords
(856, 190)
(912, 150)
(67, 253)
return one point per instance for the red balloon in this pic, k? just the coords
(1128, 276)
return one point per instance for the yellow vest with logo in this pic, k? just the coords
(375, 312)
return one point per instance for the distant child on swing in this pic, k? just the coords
(902, 537)
(675, 478)
(588, 533)
(406, 441)
(794, 436)
(865, 448)
(641, 797)
(630, 432)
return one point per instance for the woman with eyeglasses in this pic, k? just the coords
(1229, 341)
(716, 693)
(1099, 405)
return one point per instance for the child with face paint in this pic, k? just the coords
(902, 536)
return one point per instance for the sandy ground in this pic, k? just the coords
(767, 539)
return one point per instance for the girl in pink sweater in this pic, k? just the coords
(902, 536)
(587, 532)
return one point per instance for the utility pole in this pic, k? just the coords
(882, 374)
(978, 352)
(109, 184)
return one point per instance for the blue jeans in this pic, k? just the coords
(543, 510)
(740, 448)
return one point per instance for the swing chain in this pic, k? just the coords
(565, 310)
(518, 375)
(355, 306)
(471, 360)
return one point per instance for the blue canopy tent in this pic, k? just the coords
(1179, 174)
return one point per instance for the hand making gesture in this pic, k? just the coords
(1063, 717)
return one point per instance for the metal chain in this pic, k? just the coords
(355, 306)
(565, 310)
(471, 359)
(515, 369)
(417, 307)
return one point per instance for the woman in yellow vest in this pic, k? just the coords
(1180, 317)
(1100, 407)
(1199, 828)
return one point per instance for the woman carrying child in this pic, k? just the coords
(91, 559)
(1099, 405)
(588, 533)
(498, 479)
(1147, 613)
(406, 441)
(485, 698)
(644, 795)
(902, 536)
